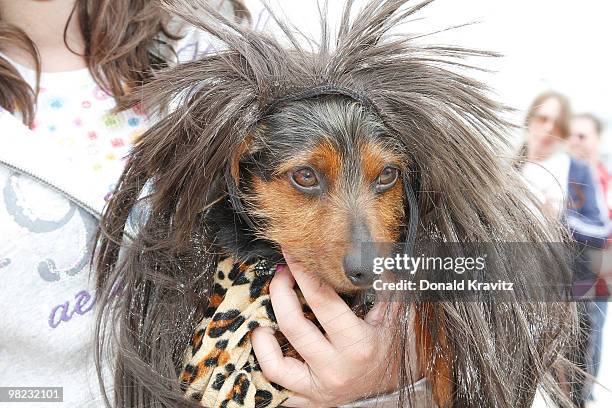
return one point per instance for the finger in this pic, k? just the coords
(304, 335)
(341, 325)
(376, 315)
(382, 312)
(284, 371)
(382, 318)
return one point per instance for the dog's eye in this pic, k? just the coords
(305, 178)
(386, 179)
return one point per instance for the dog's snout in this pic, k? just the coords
(358, 273)
(358, 260)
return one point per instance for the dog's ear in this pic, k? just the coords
(240, 152)
(250, 145)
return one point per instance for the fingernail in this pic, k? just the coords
(280, 267)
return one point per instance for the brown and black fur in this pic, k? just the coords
(213, 176)
(348, 149)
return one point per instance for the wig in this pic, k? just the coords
(180, 202)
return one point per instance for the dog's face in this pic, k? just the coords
(325, 178)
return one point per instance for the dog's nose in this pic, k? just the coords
(360, 274)
(358, 261)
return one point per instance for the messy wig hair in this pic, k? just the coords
(159, 241)
(119, 38)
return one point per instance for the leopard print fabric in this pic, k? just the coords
(219, 367)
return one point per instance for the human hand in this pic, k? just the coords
(348, 362)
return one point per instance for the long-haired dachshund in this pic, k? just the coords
(365, 137)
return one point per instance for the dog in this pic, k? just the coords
(367, 139)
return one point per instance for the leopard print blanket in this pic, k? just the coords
(219, 366)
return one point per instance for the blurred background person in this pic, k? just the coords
(544, 162)
(565, 185)
(585, 143)
(567, 189)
